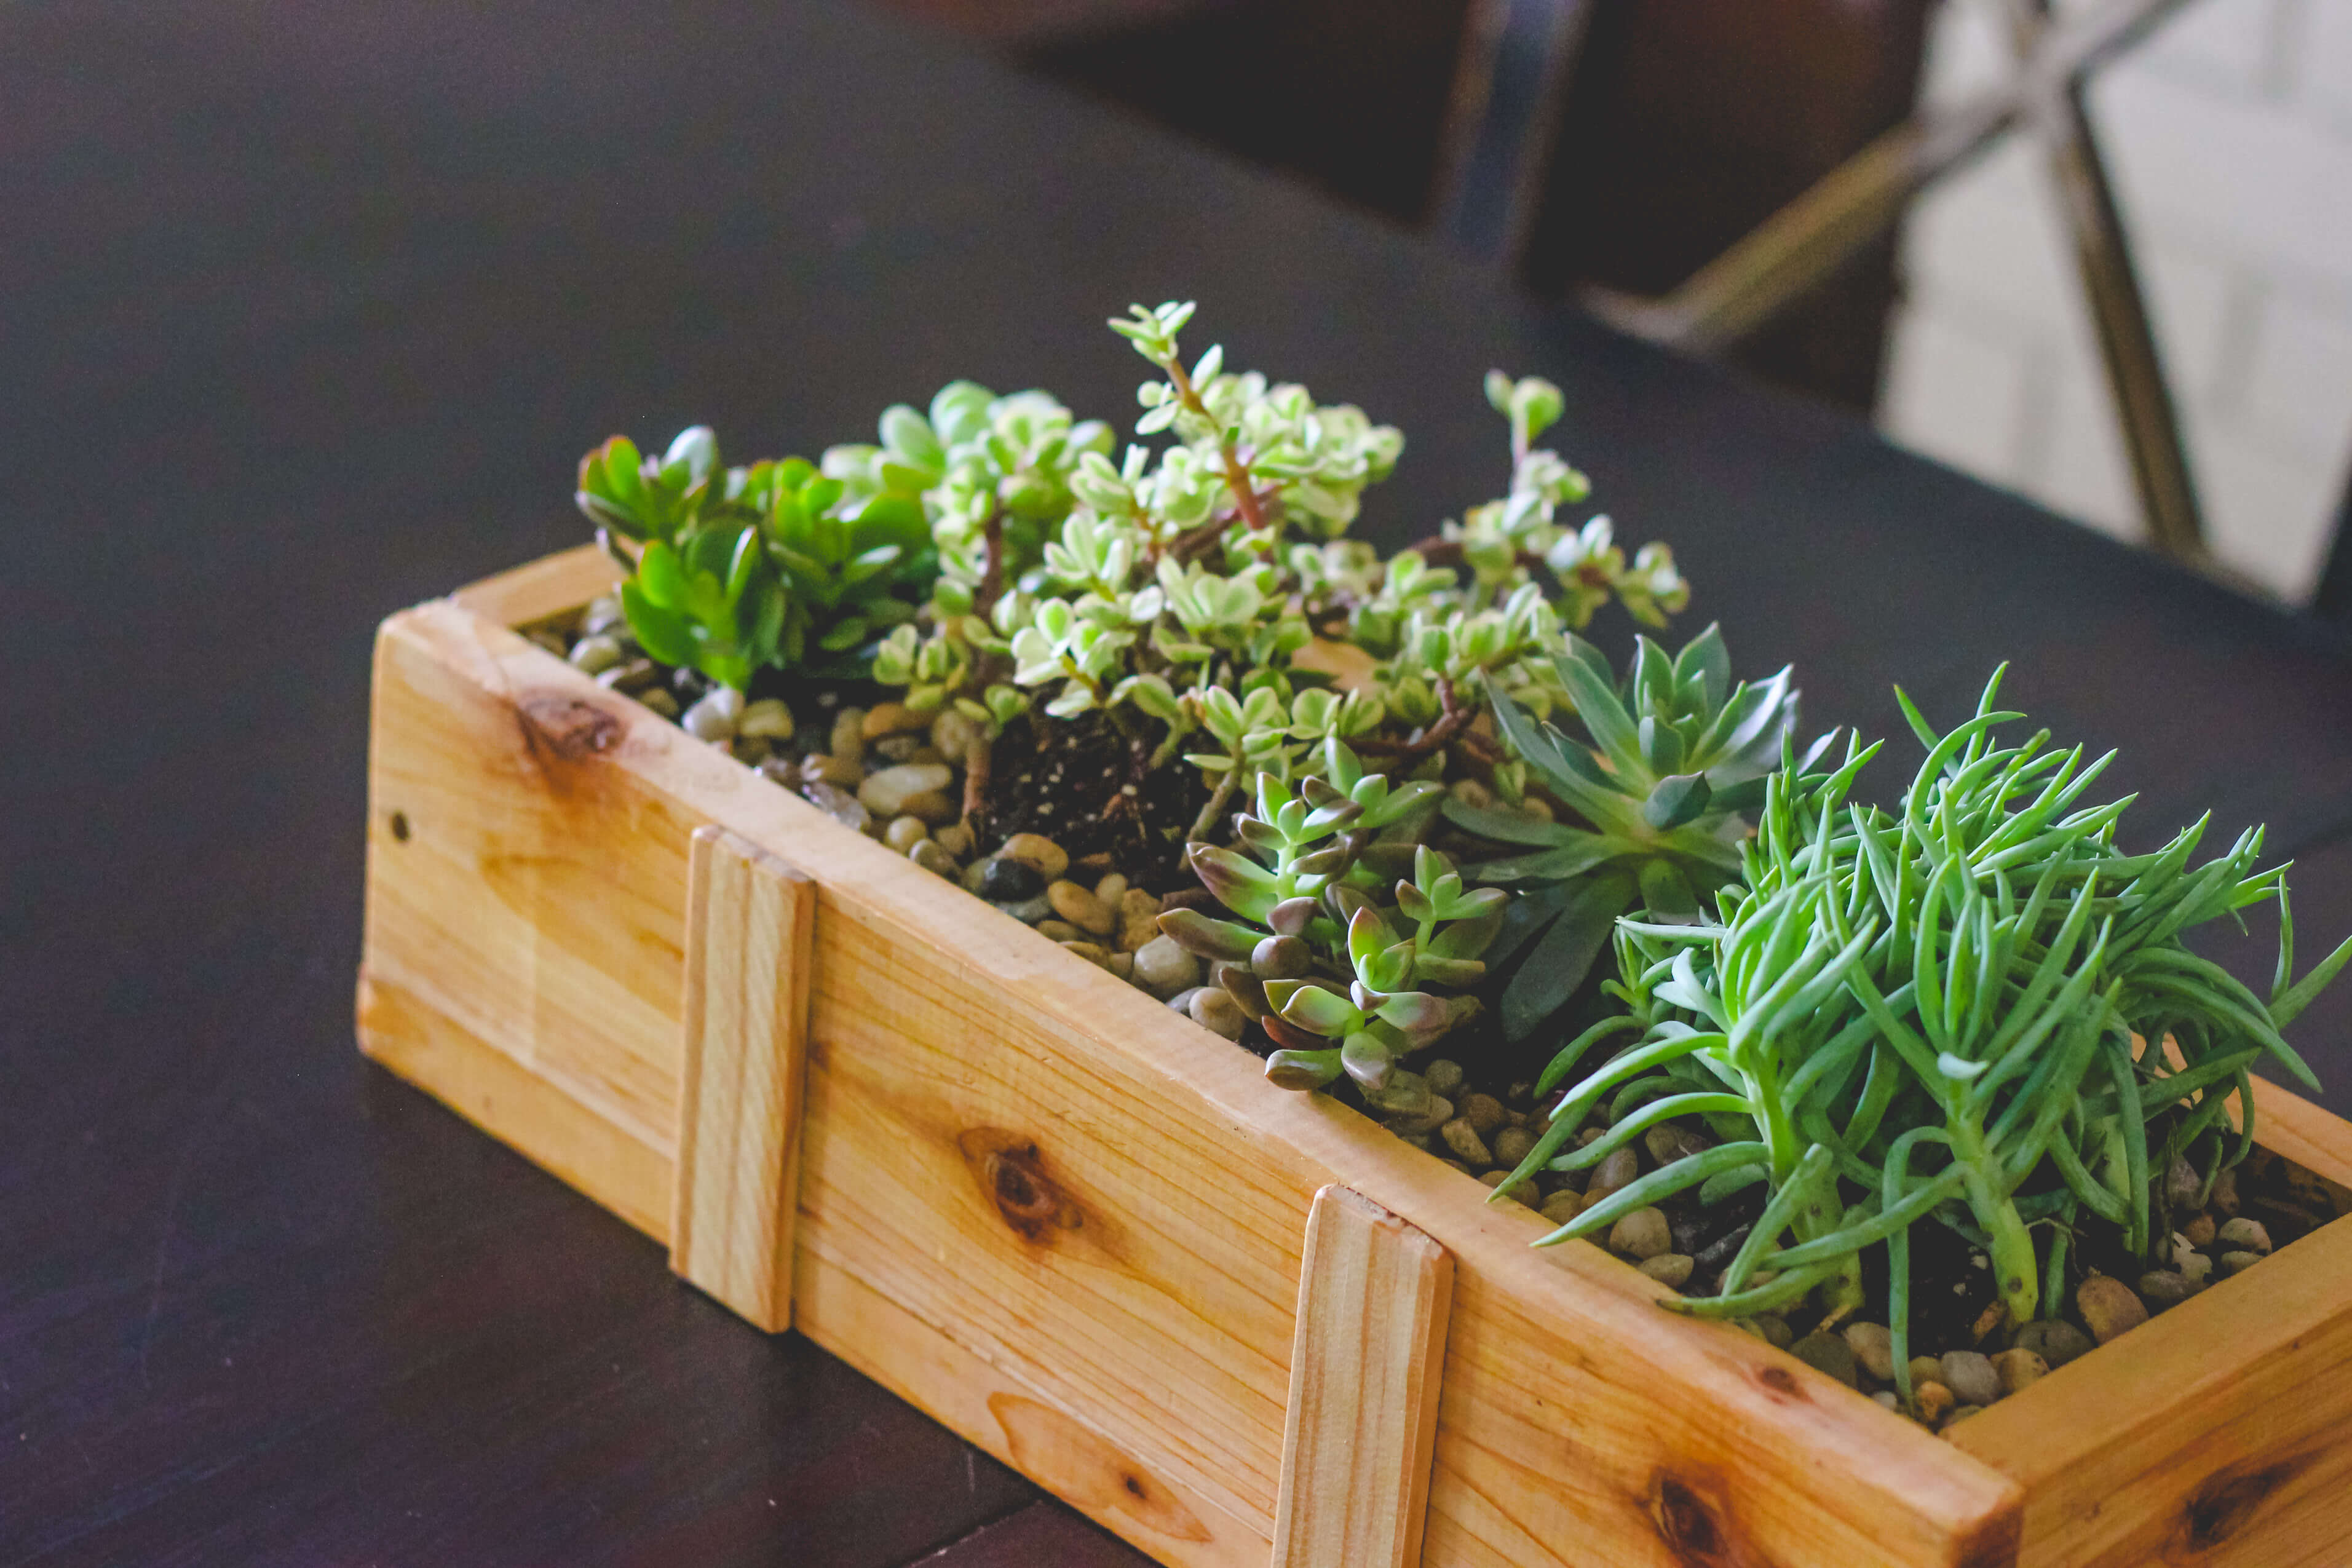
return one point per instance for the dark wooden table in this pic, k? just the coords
(305, 313)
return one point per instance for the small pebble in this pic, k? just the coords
(2162, 1288)
(839, 805)
(930, 805)
(1524, 1192)
(1484, 1112)
(1667, 1142)
(2198, 1230)
(2238, 1262)
(1094, 952)
(2196, 1268)
(1183, 1001)
(1615, 1172)
(1163, 968)
(1060, 930)
(1513, 1144)
(2017, 1368)
(1887, 1398)
(955, 838)
(1138, 919)
(2244, 1236)
(890, 718)
(1111, 889)
(1932, 1400)
(1470, 792)
(1028, 911)
(1037, 852)
(2108, 1307)
(661, 701)
(2054, 1339)
(1215, 1011)
(904, 833)
(780, 770)
(932, 859)
(1873, 1346)
(1926, 1369)
(1828, 1354)
(1122, 964)
(602, 615)
(841, 773)
(1561, 1206)
(2225, 1194)
(848, 737)
(953, 734)
(1970, 1376)
(1444, 1077)
(596, 655)
(2182, 1184)
(1644, 1233)
(630, 675)
(1081, 909)
(1463, 1138)
(768, 718)
(889, 792)
(1775, 1329)
(902, 749)
(1436, 1114)
(1668, 1268)
(999, 880)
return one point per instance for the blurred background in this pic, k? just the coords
(2095, 251)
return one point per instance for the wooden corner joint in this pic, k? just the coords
(750, 932)
(1366, 1364)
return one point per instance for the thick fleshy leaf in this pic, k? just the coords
(1563, 956)
(1684, 798)
(1199, 934)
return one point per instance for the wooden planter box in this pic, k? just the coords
(1075, 1227)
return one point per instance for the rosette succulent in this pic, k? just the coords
(1341, 981)
(1676, 753)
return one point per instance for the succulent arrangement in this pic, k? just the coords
(1343, 806)
(1942, 1012)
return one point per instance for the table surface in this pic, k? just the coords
(307, 313)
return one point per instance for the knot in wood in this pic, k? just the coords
(1011, 1173)
(2223, 1504)
(1695, 1519)
(567, 727)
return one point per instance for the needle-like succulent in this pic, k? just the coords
(1675, 754)
(1939, 1012)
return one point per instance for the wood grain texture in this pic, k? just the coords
(751, 926)
(1088, 1193)
(1366, 1364)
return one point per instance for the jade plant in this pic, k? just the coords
(1941, 1013)
(1673, 755)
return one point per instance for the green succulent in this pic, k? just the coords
(1678, 752)
(739, 569)
(1342, 981)
(1936, 1013)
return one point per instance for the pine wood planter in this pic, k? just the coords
(1233, 1324)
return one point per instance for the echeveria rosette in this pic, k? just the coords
(1937, 1012)
(1678, 752)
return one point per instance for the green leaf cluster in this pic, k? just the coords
(1669, 759)
(1938, 1014)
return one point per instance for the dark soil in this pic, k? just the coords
(1085, 785)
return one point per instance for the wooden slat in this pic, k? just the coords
(1366, 1364)
(1079, 1189)
(750, 928)
(2220, 1434)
